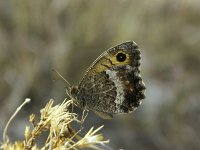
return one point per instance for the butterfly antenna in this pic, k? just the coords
(69, 85)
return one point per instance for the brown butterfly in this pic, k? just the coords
(112, 84)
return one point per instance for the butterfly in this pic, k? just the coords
(112, 84)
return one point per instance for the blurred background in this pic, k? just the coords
(37, 36)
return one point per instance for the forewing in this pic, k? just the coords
(111, 85)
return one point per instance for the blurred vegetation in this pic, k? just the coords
(36, 36)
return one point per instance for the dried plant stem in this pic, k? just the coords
(27, 100)
(56, 119)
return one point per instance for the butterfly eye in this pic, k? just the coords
(121, 57)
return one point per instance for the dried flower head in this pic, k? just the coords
(56, 120)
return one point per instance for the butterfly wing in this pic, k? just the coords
(112, 84)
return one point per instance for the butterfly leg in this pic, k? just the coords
(84, 115)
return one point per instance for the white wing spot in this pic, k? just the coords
(120, 90)
(130, 68)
